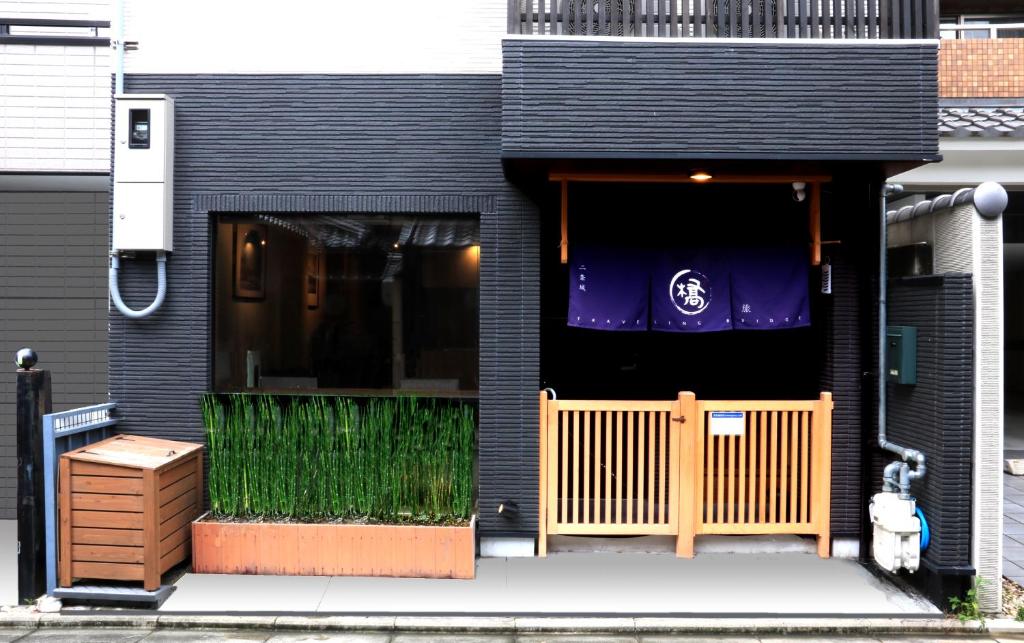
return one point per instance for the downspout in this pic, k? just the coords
(117, 43)
(897, 475)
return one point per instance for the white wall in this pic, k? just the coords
(313, 36)
(54, 101)
(969, 161)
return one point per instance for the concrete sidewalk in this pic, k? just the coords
(575, 584)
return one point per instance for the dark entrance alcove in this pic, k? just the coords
(739, 364)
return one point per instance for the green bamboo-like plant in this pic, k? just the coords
(315, 458)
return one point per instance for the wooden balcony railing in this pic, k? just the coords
(859, 19)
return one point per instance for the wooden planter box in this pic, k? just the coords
(125, 508)
(296, 549)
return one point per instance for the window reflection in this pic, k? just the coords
(349, 303)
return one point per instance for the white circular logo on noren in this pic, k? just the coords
(690, 292)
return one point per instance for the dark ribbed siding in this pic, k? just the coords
(53, 297)
(598, 99)
(936, 414)
(294, 144)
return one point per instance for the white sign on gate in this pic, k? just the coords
(727, 423)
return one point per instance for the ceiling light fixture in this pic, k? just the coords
(700, 176)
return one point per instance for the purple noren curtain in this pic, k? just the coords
(690, 291)
(607, 288)
(769, 288)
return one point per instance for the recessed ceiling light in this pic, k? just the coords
(700, 176)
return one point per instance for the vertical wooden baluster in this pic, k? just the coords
(576, 464)
(608, 466)
(640, 468)
(742, 507)
(673, 19)
(652, 8)
(602, 18)
(762, 468)
(709, 475)
(733, 16)
(804, 470)
(662, 462)
(755, 26)
(872, 19)
(783, 468)
(553, 17)
(815, 24)
(638, 29)
(837, 19)
(629, 468)
(652, 439)
(773, 454)
(587, 454)
(618, 466)
(598, 462)
(529, 17)
(730, 473)
(540, 17)
(720, 483)
(698, 18)
(795, 473)
(564, 496)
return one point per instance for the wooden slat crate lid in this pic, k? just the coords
(134, 451)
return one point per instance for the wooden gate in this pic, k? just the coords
(772, 476)
(608, 468)
(675, 468)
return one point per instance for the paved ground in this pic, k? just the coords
(574, 583)
(1013, 527)
(112, 636)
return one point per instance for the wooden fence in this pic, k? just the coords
(726, 18)
(667, 468)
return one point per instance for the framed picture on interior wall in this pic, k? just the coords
(312, 280)
(250, 276)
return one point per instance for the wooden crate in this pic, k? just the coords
(126, 508)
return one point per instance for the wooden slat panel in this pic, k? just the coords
(171, 492)
(640, 468)
(113, 571)
(762, 468)
(795, 472)
(608, 497)
(662, 470)
(618, 467)
(598, 441)
(106, 554)
(575, 468)
(106, 484)
(106, 502)
(183, 517)
(784, 471)
(100, 536)
(171, 509)
(79, 468)
(175, 538)
(585, 479)
(652, 424)
(770, 528)
(720, 478)
(175, 556)
(629, 467)
(741, 515)
(110, 519)
(619, 530)
(805, 471)
(730, 471)
(176, 473)
(564, 495)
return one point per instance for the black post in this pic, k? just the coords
(33, 401)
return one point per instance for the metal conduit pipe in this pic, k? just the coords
(906, 474)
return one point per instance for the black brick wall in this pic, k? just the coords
(690, 100)
(291, 144)
(936, 415)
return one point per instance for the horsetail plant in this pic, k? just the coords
(321, 458)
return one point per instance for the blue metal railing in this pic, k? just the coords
(63, 432)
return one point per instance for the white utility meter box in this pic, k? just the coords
(143, 172)
(897, 532)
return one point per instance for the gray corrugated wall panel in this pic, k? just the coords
(567, 98)
(311, 143)
(53, 297)
(936, 414)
